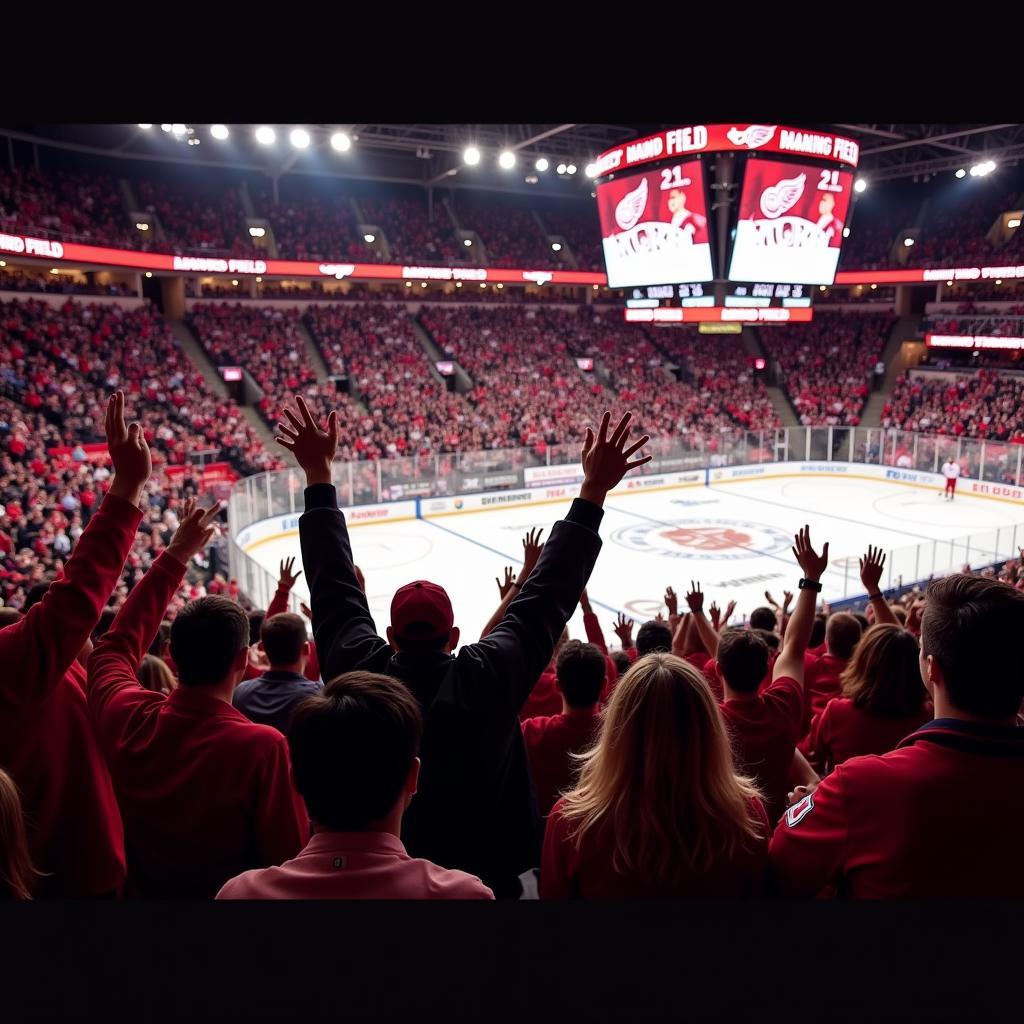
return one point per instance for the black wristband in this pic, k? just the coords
(875, 597)
(806, 584)
(516, 584)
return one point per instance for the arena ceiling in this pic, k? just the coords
(431, 154)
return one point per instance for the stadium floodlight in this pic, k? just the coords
(458, 284)
(483, 284)
(570, 169)
(142, 225)
(467, 242)
(219, 131)
(178, 129)
(542, 164)
(908, 242)
(949, 284)
(299, 138)
(340, 142)
(147, 126)
(860, 185)
(874, 286)
(408, 284)
(507, 160)
(265, 135)
(369, 239)
(961, 173)
(1000, 281)
(560, 168)
(590, 170)
(499, 285)
(165, 127)
(822, 288)
(471, 156)
(556, 246)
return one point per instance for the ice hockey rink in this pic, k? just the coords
(733, 536)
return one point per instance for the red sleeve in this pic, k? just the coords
(313, 664)
(554, 875)
(816, 742)
(787, 695)
(45, 642)
(594, 632)
(282, 823)
(114, 691)
(807, 851)
(278, 603)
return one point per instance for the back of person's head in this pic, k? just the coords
(422, 620)
(818, 631)
(255, 625)
(581, 671)
(9, 616)
(207, 637)
(163, 635)
(352, 748)
(762, 618)
(284, 639)
(972, 627)
(653, 637)
(155, 675)
(661, 777)
(900, 613)
(884, 675)
(621, 661)
(772, 640)
(842, 632)
(742, 659)
(865, 622)
(106, 620)
(16, 871)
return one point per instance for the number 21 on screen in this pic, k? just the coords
(829, 182)
(671, 178)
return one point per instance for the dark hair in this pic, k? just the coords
(862, 619)
(35, 594)
(106, 620)
(430, 645)
(972, 628)
(9, 616)
(283, 636)
(163, 634)
(581, 670)
(255, 625)
(351, 748)
(206, 638)
(653, 637)
(842, 633)
(773, 640)
(884, 677)
(763, 618)
(900, 613)
(621, 661)
(742, 658)
(818, 631)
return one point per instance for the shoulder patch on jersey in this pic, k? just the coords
(800, 810)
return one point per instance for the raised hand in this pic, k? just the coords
(787, 600)
(695, 598)
(729, 609)
(585, 603)
(196, 528)
(133, 464)
(715, 614)
(671, 601)
(532, 548)
(811, 563)
(624, 630)
(606, 460)
(510, 578)
(312, 446)
(871, 566)
(771, 600)
(285, 577)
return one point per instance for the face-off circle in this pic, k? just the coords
(704, 539)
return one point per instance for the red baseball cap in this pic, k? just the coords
(421, 611)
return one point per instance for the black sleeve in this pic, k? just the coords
(344, 631)
(518, 649)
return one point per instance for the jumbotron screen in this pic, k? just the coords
(654, 227)
(790, 225)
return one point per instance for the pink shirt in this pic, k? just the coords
(355, 866)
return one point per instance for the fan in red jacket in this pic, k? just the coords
(551, 741)
(841, 635)
(46, 740)
(205, 793)
(940, 816)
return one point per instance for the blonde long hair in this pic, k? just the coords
(16, 870)
(661, 776)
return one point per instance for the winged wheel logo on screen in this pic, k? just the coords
(753, 136)
(777, 199)
(631, 207)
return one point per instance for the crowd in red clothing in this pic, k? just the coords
(411, 234)
(510, 234)
(826, 367)
(955, 232)
(582, 230)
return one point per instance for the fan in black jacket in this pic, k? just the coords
(475, 809)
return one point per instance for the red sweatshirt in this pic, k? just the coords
(937, 818)
(549, 742)
(46, 739)
(205, 793)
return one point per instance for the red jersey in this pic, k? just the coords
(824, 683)
(586, 872)
(545, 698)
(205, 793)
(47, 743)
(549, 742)
(937, 818)
(765, 728)
(844, 730)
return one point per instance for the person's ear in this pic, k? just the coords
(241, 660)
(453, 639)
(259, 647)
(306, 650)
(931, 675)
(390, 633)
(412, 781)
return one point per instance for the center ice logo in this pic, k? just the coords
(703, 539)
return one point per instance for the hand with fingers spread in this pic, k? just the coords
(532, 547)
(871, 566)
(715, 614)
(787, 600)
(624, 630)
(313, 446)
(285, 577)
(811, 563)
(729, 609)
(133, 464)
(695, 598)
(196, 529)
(510, 578)
(671, 602)
(606, 458)
(771, 600)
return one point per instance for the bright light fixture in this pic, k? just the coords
(507, 160)
(471, 156)
(908, 242)
(265, 135)
(570, 169)
(340, 142)
(145, 126)
(560, 168)
(556, 246)
(467, 242)
(542, 164)
(961, 173)
(299, 138)
(860, 184)
(219, 131)
(369, 239)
